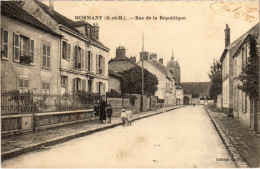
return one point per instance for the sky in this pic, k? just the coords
(195, 41)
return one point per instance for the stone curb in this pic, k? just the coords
(39, 146)
(239, 161)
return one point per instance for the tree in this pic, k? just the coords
(250, 72)
(132, 81)
(215, 76)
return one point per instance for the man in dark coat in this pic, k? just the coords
(102, 116)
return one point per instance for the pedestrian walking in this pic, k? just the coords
(109, 113)
(129, 116)
(102, 116)
(96, 110)
(123, 117)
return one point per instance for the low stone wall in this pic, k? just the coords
(16, 124)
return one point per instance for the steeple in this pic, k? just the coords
(172, 55)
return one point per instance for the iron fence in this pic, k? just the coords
(15, 102)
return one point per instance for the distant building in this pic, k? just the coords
(121, 63)
(166, 82)
(179, 94)
(114, 81)
(174, 67)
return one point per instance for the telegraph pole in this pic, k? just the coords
(142, 57)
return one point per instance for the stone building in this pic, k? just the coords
(227, 74)
(78, 60)
(179, 94)
(242, 104)
(166, 82)
(30, 52)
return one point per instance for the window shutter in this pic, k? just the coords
(4, 44)
(86, 60)
(104, 88)
(82, 60)
(1, 41)
(91, 61)
(16, 47)
(84, 85)
(32, 50)
(74, 85)
(97, 62)
(68, 53)
(76, 56)
(64, 50)
(97, 84)
(48, 56)
(44, 56)
(103, 65)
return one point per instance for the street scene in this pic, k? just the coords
(187, 139)
(130, 84)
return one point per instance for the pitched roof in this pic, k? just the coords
(67, 22)
(13, 10)
(234, 46)
(112, 73)
(56, 16)
(161, 68)
(201, 88)
(122, 59)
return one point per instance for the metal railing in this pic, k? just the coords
(15, 102)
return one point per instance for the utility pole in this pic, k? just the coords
(142, 57)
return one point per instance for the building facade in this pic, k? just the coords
(234, 59)
(179, 95)
(243, 106)
(227, 74)
(166, 82)
(69, 53)
(29, 52)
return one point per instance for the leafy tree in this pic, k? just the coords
(250, 72)
(215, 76)
(132, 81)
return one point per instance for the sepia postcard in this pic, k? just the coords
(130, 84)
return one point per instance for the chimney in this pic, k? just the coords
(145, 55)
(133, 59)
(161, 60)
(227, 36)
(51, 6)
(153, 56)
(120, 52)
(95, 30)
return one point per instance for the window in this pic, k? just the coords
(64, 81)
(65, 50)
(89, 61)
(46, 52)
(77, 84)
(46, 86)
(79, 58)
(23, 84)
(23, 49)
(4, 43)
(100, 64)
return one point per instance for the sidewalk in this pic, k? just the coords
(239, 141)
(19, 144)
